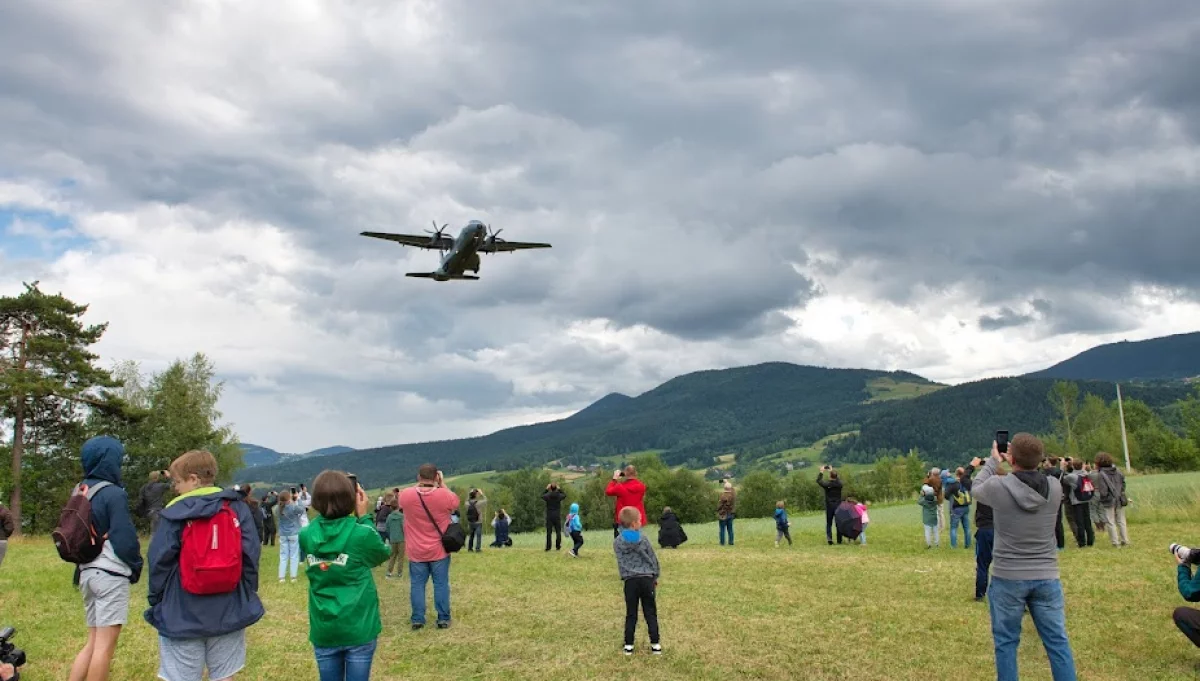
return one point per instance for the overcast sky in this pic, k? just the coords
(960, 189)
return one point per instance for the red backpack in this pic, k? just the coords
(75, 537)
(210, 553)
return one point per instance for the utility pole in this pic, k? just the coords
(1124, 437)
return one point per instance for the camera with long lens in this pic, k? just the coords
(1189, 556)
(9, 653)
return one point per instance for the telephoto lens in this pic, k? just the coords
(1189, 556)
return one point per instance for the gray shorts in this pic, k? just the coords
(105, 598)
(184, 659)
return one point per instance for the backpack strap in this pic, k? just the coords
(91, 491)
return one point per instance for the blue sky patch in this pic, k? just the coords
(37, 234)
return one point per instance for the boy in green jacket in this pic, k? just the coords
(395, 530)
(341, 546)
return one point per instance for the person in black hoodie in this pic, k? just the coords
(670, 532)
(269, 501)
(553, 498)
(152, 497)
(985, 535)
(105, 582)
(1053, 470)
(833, 499)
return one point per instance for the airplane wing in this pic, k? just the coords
(416, 240)
(501, 246)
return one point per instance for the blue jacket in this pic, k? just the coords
(102, 458)
(175, 613)
(573, 522)
(501, 530)
(781, 519)
(289, 519)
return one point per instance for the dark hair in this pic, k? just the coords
(1054, 460)
(1026, 451)
(427, 471)
(833, 475)
(1104, 460)
(334, 495)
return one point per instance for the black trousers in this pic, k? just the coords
(640, 590)
(577, 537)
(829, 511)
(1060, 538)
(1188, 621)
(554, 524)
(1086, 531)
(268, 538)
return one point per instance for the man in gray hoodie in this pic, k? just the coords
(1025, 567)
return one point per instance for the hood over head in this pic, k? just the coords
(1029, 489)
(575, 509)
(102, 457)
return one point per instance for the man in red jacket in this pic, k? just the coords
(629, 491)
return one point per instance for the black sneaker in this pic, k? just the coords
(443, 625)
(418, 626)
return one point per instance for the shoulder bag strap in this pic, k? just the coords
(421, 498)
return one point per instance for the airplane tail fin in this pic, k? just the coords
(441, 277)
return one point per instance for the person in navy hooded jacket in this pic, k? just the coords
(197, 631)
(105, 582)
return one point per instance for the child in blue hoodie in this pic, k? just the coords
(575, 529)
(638, 566)
(782, 524)
(199, 630)
(105, 581)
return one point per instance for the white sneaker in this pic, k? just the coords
(656, 648)
(628, 650)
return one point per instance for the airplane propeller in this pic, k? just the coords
(493, 236)
(436, 236)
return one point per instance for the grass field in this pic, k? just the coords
(884, 389)
(889, 610)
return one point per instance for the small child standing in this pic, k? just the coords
(202, 614)
(866, 520)
(575, 529)
(782, 524)
(342, 546)
(638, 566)
(395, 531)
(929, 516)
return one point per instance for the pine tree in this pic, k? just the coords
(47, 371)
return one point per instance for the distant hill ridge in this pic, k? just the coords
(774, 406)
(1174, 357)
(257, 455)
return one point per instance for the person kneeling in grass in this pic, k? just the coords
(341, 547)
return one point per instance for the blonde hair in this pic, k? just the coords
(630, 516)
(779, 504)
(728, 486)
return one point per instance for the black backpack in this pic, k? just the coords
(472, 512)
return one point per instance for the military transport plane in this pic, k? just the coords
(461, 254)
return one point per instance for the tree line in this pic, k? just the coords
(54, 395)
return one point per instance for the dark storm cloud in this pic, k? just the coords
(1006, 318)
(684, 159)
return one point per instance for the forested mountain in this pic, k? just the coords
(951, 425)
(1167, 358)
(692, 417)
(257, 455)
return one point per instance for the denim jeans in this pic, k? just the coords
(726, 524)
(1007, 600)
(346, 663)
(289, 554)
(958, 517)
(418, 575)
(475, 540)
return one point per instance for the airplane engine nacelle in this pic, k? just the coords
(473, 263)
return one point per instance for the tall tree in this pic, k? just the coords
(1064, 395)
(46, 364)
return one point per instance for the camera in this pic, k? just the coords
(10, 654)
(1189, 556)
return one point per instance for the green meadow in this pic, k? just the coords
(888, 610)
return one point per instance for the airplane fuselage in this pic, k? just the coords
(464, 255)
